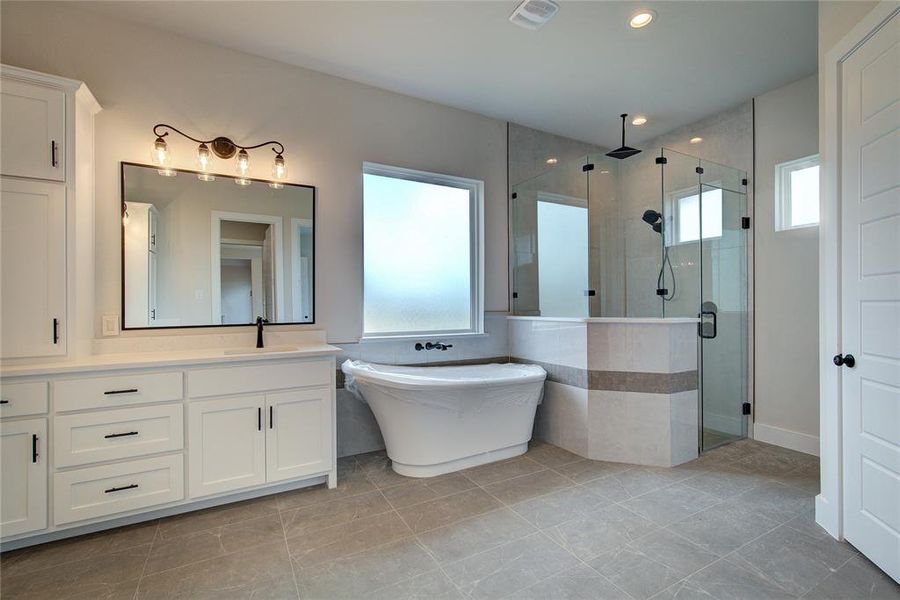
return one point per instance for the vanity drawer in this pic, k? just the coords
(109, 489)
(20, 399)
(120, 390)
(113, 434)
(257, 378)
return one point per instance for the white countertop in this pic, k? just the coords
(136, 360)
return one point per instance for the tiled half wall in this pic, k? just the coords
(621, 390)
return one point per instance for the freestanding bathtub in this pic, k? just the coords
(441, 419)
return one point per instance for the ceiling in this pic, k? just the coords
(573, 77)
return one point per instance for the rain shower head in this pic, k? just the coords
(624, 151)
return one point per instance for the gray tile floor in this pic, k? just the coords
(737, 523)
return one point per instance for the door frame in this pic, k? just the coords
(829, 502)
(215, 237)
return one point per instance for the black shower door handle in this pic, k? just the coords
(715, 324)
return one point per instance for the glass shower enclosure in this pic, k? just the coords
(661, 234)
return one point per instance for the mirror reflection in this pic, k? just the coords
(210, 252)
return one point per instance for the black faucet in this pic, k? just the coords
(433, 346)
(259, 331)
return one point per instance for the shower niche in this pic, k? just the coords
(660, 234)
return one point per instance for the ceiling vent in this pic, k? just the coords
(534, 14)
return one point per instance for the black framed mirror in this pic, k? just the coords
(211, 250)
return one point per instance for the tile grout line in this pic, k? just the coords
(137, 588)
(287, 549)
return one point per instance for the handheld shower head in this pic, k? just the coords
(653, 219)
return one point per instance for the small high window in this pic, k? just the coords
(422, 253)
(687, 215)
(797, 193)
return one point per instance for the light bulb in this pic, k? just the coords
(162, 158)
(204, 161)
(243, 163)
(279, 171)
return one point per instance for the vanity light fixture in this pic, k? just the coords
(696, 140)
(641, 18)
(639, 120)
(552, 160)
(222, 147)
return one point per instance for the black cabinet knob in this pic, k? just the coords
(841, 360)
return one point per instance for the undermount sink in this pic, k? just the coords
(266, 350)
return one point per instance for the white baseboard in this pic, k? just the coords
(793, 440)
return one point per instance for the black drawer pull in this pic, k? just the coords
(259, 419)
(34, 452)
(53, 160)
(4, 401)
(119, 489)
(113, 392)
(118, 435)
(271, 418)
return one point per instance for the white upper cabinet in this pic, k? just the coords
(34, 131)
(33, 257)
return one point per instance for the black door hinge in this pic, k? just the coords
(588, 167)
(515, 294)
(745, 408)
(662, 292)
(590, 292)
(699, 170)
(744, 182)
(662, 160)
(745, 222)
(514, 196)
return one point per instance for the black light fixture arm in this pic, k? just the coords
(159, 132)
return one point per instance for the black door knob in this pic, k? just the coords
(841, 360)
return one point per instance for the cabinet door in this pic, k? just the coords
(23, 476)
(298, 433)
(226, 444)
(33, 262)
(33, 140)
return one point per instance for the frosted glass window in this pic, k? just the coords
(421, 245)
(689, 216)
(797, 193)
(562, 259)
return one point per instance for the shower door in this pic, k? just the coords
(723, 310)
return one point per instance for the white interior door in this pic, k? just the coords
(23, 476)
(870, 243)
(227, 444)
(33, 257)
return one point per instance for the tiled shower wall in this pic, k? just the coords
(622, 390)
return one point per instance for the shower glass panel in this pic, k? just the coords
(550, 243)
(724, 328)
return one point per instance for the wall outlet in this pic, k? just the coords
(110, 325)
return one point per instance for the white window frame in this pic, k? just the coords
(476, 247)
(783, 192)
(674, 199)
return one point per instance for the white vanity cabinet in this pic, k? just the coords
(272, 435)
(23, 476)
(118, 442)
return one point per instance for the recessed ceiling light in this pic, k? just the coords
(642, 18)
(696, 140)
(552, 160)
(639, 121)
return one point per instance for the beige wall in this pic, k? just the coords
(329, 126)
(787, 316)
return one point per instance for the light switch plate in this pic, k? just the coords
(110, 325)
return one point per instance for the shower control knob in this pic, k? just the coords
(841, 360)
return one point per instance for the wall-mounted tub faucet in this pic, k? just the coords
(432, 346)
